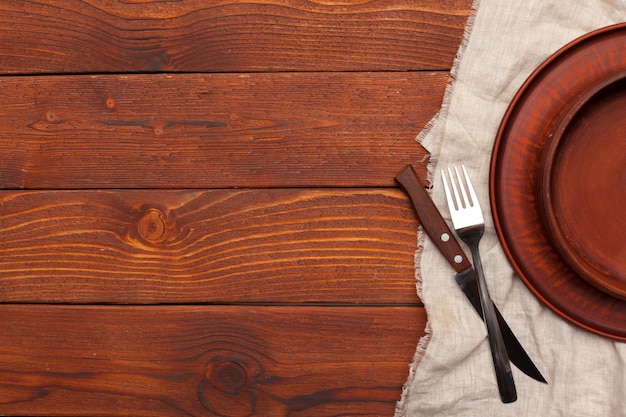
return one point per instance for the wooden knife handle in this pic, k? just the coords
(432, 221)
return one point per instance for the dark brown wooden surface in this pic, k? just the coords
(213, 130)
(220, 246)
(77, 36)
(204, 360)
(197, 207)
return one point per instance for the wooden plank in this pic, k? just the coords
(213, 131)
(203, 360)
(60, 36)
(217, 246)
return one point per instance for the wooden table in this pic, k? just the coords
(197, 209)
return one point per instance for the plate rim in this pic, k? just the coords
(587, 323)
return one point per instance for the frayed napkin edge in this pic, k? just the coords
(434, 149)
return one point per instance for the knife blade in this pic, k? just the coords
(437, 229)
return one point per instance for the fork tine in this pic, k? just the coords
(459, 203)
(465, 200)
(470, 188)
(463, 211)
(446, 188)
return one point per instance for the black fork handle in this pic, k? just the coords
(502, 365)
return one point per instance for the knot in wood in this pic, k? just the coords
(53, 117)
(228, 376)
(152, 225)
(228, 388)
(158, 128)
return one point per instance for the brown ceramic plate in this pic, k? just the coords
(553, 103)
(582, 188)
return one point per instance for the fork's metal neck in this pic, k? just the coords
(471, 234)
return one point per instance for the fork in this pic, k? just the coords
(469, 225)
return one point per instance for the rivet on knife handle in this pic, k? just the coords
(434, 225)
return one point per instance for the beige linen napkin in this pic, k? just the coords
(453, 375)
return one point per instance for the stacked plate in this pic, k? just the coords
(558, 182)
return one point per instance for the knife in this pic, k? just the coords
(437, 229)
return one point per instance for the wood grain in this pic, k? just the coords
(197, 207)
(205, 361)
(213, 131)
(72, 36)
(217, 246)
